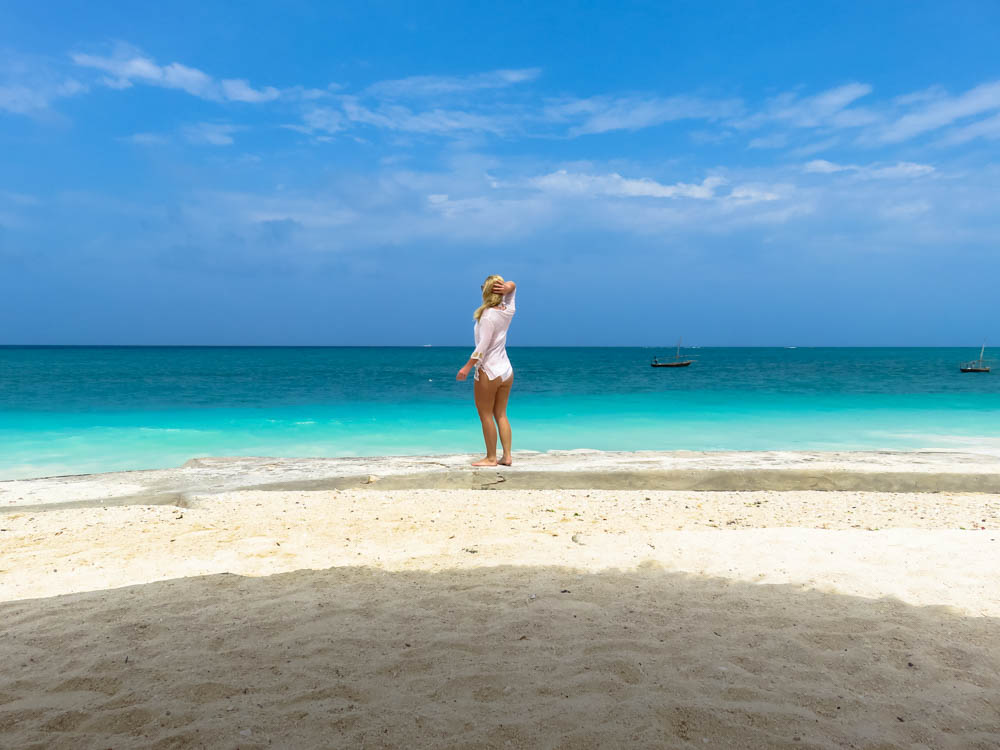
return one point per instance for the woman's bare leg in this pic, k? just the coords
(485, 392)
(503, 424)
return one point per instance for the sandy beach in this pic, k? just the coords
(258, 603)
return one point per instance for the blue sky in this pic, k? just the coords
(743, 173)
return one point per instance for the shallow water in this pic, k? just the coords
(86, 409)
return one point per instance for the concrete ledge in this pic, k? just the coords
(862, 471)
(701, 481)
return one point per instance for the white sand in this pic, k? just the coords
(552, 619)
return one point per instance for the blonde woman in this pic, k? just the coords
(494, 375)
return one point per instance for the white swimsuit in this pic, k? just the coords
(491, 340)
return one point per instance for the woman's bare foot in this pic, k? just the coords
(505, 461)
(486, 462)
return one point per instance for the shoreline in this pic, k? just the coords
(862, 471)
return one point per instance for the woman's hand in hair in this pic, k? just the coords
(503, 288)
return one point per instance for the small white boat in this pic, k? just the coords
(676, 362)
(976, 365)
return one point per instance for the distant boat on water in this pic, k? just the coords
(676, 362)
(976, 365)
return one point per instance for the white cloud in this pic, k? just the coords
(919, 97)
(434, 121)
(116, 83)
(900, 170)
(827, 109)
(487, 201)
(34, 87)
(356, 110)
(210, 134)
(751, 193)
(238, 90)
(942, 111)
(21, 100)
(601, 114)
(127, 67)
(565, 183)
(907, 210)
(988, 128)
(429, 86)
(191, 80)
(814, 148)
(892, 121)
(822, 166)
(775, 140)
(829, 103)
(322, 119)
(29, 84)
(614, 184)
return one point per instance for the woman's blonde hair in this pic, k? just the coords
(489, 298)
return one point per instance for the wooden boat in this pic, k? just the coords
(976, 365)
(677, 361)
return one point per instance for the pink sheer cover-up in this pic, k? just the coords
(491, 340)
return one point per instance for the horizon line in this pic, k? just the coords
(464, 346)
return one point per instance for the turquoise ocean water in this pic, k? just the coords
(69, 410)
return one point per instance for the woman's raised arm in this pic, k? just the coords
(504, 288)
